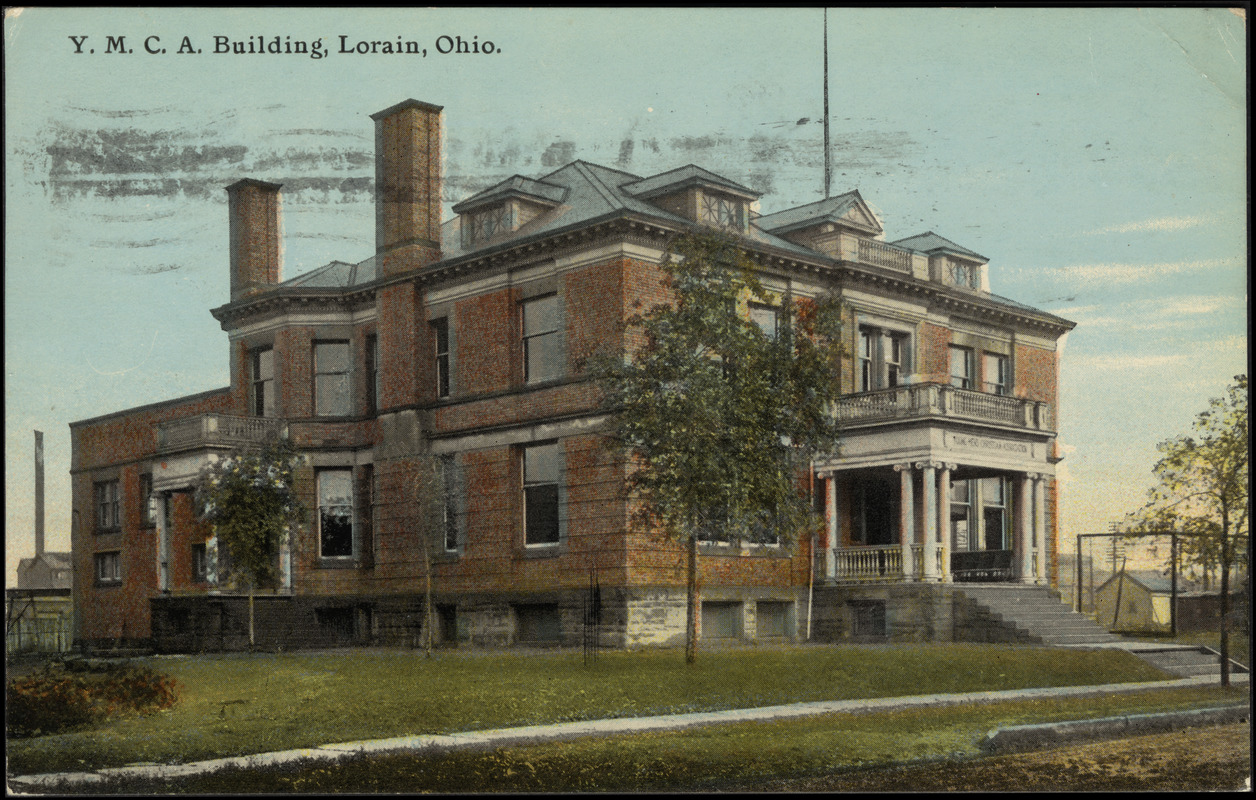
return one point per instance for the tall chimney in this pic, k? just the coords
(407, 186)
(39, 493)
(256, 236)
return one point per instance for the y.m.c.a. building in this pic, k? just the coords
(463, 342)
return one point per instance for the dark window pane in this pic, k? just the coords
(335, 510)
(541, 503)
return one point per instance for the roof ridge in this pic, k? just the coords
(596, 182)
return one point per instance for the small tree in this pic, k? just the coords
(1202, 491)
(249, 499)
(427, 482)
(723, 403)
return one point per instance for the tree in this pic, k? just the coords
(1202, 492)
(249, 499)
(431, 523)
(722, 404)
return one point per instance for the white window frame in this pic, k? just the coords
(884, 357)
(345, 407)
(320, 476)
(997, 363)
(964, 378)
(106, 495)
(107, 567)
(536, 339)
(261, 386)
(532, 484)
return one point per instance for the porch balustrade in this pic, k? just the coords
(883, 563)
(219, 431)
(942, 400)
(881, 254)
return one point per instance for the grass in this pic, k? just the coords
(239, 704)
(696, 759)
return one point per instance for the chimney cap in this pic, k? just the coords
(404, 104)
(243, 182)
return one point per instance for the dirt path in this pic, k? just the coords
(1193, 759)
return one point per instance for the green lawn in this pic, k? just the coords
(238, 704)
(695, 759)
(1238, 642)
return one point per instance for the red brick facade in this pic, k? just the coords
(489, 584)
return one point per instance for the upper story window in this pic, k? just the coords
(540, 493)
(542, 355)
(766, 317)
(961, 367)
(331, 379)
(483, 225)
(335, 513)
(372, 373)
(148, 510)
(960, 274)
(995, 374)
(440, 341)
(722, 212)
(108, 567)
(262, 382)
(108, 507)
(884, 358)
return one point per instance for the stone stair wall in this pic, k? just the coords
(1022, 614)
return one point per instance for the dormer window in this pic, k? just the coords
(723, 212)
(961, 274)
(484, 225)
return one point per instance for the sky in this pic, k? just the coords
(1097, 157)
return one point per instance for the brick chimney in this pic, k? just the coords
(408, 163)
(256, 236)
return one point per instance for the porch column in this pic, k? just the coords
(830, 522)
(944, 518)
(906, 517)
(1040, 525)
(1024, 527)
(285, 562)
(158, 502)
(929, 536)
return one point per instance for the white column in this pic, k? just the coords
(1040, 525)
(906, 517)
(163, 541)
(944, 518)
(929, 536)
(830, 519)
(1024, 528)
(285, 562)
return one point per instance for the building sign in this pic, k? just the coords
(986, 444)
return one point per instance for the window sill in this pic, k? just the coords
(343, 562)
(108, 584)
(544, 550)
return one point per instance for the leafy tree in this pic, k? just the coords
(1202, 491)
(721, 405)
(249, 499)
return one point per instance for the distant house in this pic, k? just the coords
(39, 613)
(1144, 603)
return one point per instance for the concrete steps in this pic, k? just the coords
(1187, 661)
(1033, 615)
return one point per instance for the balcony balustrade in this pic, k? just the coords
(217, 431)
(885, 255)
(925, 400)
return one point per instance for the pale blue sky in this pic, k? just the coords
(1096, 156)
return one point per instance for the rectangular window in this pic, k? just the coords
(961, 513)
(883, 358)
(995, 377)
(148, 509)
(262, 382)
(448, 506)
(540, 494)
(108, 512)
(335, 513)
(109, 567)
(332, 364)
(200, 563)
(994, 513)
(541, 352)
(766, 318)
(372, 373)
(961, 367)
(440, 339)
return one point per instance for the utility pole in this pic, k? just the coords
(827, 170)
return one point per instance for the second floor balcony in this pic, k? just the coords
(216, 431)
(943, 401)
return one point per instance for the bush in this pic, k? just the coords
(52, 700)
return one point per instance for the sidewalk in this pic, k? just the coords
(486, 739)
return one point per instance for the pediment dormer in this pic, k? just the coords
(698, 195)
(505, 208)
(819, 225)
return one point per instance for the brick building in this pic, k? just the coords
(464, 342)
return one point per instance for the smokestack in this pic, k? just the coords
(253, 208)
(407, 186)
(39, 493)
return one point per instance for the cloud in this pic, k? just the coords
(1156, 313)
(1108, 274)
(1157, 224)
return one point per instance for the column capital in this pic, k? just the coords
(903, 467)
(929, 465)
(1033, 476)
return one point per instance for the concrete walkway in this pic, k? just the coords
(486, 739)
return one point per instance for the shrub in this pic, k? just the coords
(52, 700)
